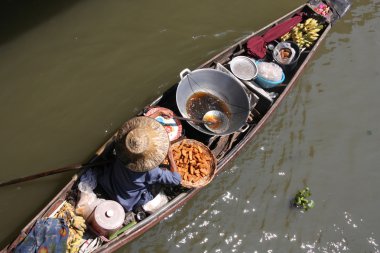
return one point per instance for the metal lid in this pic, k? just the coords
(109, 215)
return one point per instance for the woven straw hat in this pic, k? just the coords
(142, 144)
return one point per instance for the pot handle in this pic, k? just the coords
(244, 128)
(184, 72)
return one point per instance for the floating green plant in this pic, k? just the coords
(301, 199)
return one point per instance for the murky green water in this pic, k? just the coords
(73, 71)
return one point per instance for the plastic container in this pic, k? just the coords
(267, 84)
(107, 218)
(291, 65)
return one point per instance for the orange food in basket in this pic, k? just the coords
(193, 162)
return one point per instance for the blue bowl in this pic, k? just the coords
(266, 84)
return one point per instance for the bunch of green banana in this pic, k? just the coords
(76, 224)
(304, 34)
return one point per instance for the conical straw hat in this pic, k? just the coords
(142, 144)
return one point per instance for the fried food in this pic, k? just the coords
(193, 162)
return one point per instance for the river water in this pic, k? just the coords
(73, 71)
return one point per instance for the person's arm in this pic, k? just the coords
(161, 176)
(166, 114)
(172, 164)
(171, 177)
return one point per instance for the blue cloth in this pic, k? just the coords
(133, 189)
(48, 235)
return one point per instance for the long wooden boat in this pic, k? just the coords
(226, 147)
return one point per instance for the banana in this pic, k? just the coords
(312, 34)
(77, 226)
(314, 22)
(304, 34)
(316, 30)
(313, 38)
(286, 37)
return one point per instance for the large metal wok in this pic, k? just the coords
(220, 85)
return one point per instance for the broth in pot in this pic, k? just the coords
(202, 102)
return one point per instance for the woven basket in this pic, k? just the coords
(204, 180)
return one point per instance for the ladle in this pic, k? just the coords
(206, 122)
(219, 121)
(214, 120)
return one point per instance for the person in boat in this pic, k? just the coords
(134, 176)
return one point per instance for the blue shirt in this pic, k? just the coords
(131, 188)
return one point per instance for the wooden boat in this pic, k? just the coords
(226, 147)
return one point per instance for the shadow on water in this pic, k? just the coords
(19, 16)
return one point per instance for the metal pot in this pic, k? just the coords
(220, 85)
